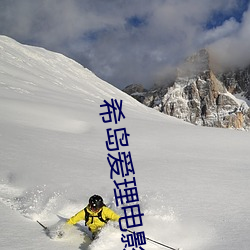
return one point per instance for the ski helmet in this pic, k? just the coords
(96, 202)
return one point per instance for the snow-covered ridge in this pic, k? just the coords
(34, 66)
(33, 74)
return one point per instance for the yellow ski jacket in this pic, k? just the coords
(94, 223)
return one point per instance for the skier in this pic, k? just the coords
(95, 214)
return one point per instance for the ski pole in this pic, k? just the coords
(45, 228)
(157, 242)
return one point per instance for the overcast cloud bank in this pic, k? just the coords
(127, 42)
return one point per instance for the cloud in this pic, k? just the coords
(228, 28)
(123, 42)
(233, 49)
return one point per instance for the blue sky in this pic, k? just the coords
(132, 41)
(218, 17)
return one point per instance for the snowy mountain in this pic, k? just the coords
(193, 181)
(201, 95)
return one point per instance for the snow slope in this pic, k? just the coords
(193, 182)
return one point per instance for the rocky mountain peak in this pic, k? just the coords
(200, 96)
(196, 64)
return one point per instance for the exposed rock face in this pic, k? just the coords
(199, 97)
(137, 91)
(237, 81)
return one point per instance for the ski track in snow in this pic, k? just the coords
(37, 205)
(32, 204)
(40, 204)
